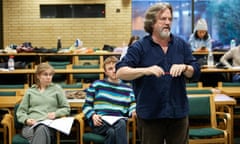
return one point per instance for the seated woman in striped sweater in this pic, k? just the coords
(110, 97)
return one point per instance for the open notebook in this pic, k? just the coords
(112, 119)
(63, 124)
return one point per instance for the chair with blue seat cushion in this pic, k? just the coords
(77, 85)
(14, 128)
(204, 107)
(13, 86)
(86, 136)
(85, 77)
(3, 111)
(59, 65)
(236, 109)
(10, 89)
(8, 93)
(199, 91)
(232, 84)
(228, 84)
(194, 85)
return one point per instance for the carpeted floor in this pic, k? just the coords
(236, 141)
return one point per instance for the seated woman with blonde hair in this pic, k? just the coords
(43, 100)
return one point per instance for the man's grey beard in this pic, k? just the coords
(164, 35)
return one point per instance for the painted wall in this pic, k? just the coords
(22, 23)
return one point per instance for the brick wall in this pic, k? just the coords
(22, 23)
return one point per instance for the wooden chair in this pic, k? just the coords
(199, 91)
(204, 106)
(19, 89)
(232, 84)
(194, 85)
(228, 84)
(14, 129)
(59, 65)
(74, 86)
(86, 62)
(86, 77)
(87, 136)
(3, 111)
(236, 110)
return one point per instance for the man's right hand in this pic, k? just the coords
(30, 122)
(97, 120)
(154, 70)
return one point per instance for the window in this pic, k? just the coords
(223, 18)
(73, 11)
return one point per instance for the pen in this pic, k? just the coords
(167, 73)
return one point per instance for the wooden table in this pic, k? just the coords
(69, 72)
(76, 103)
(9, 102)
(219, 70)
(231, 91)
(40, 56)
(225, 100)
(206, 53)
(228, 72)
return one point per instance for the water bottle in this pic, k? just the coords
(232, 43)
(210, 60)
(11, 63)
(77, 43)
(59, 43)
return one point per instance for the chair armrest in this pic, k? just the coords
(227, 120)
(7, 122)
(69, 66)
(224, 108)
(7, 110)
(80, 119)
(133, 124)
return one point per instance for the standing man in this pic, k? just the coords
(158, 64)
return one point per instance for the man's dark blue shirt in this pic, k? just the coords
(165, 96)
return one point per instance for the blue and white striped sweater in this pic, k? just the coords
(106, 98)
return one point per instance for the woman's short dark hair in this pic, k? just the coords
(205, 37)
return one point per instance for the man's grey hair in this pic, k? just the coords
(151, 15)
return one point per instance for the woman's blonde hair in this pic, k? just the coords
(41, 68)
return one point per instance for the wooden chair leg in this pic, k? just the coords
(58, 138)
(5, 135)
